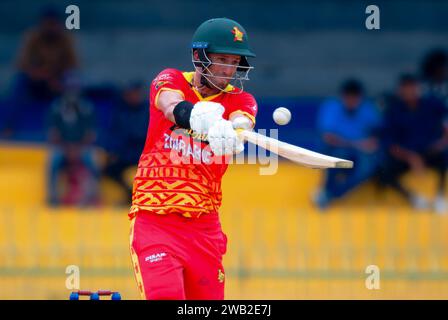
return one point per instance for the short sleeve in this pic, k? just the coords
(168, 79)
(243, 103)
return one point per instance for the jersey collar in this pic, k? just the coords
(189, 78)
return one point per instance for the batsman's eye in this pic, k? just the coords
(234, 62)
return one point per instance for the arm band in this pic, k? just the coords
(182, 112)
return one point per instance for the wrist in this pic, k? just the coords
(182, 114)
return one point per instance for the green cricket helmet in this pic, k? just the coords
(221, 35)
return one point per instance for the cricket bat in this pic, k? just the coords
(296, 154)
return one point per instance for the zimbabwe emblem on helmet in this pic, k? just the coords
(238, 34)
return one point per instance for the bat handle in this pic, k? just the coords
(242, 133)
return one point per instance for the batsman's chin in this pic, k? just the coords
(222, 85)
(221, 81)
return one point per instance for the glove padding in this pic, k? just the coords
(241, 122)
(204, 114)
(223, 139)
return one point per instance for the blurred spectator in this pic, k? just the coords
(348, 126)
(435, 74)
(127, 134)
(46, 55)
(416, 134)
(71, 134)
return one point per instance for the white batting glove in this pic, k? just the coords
(204, 114)
(241, 122)
(223, 139)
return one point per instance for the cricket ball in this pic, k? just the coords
(281, 116)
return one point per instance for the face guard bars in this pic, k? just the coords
(202, 66)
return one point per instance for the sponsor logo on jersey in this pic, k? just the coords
(155, 257)
(165, 76)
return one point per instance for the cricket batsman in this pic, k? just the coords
(176, 240)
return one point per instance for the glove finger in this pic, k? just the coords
(239, 148)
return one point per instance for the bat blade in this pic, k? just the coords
(294, 153)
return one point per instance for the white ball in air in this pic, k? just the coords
(281, 116)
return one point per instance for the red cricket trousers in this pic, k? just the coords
(178, 258)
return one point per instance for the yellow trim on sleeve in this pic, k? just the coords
(244, 113)
(166, 89)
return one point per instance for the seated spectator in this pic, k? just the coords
(348, 125)
(127, 135)
(46, 55)
(71, 135)
(416, 134)
(435, 74)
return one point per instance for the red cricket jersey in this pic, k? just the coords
(177, 172)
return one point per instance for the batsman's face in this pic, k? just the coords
(223, 65)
